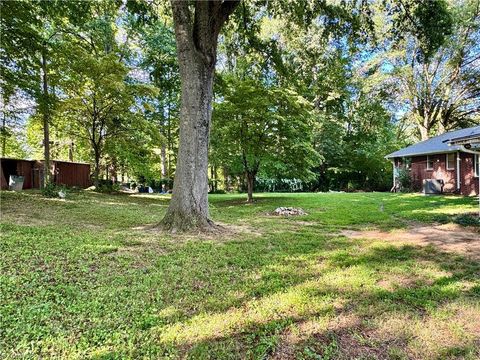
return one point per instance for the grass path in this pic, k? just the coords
(86, 278)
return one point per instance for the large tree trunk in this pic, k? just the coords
(196, 50)
(189, 205)
(250, 185)
(46, 121)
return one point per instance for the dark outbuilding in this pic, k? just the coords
(63, 173)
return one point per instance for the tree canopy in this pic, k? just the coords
(312, 92)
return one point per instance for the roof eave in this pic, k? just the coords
(392, 155)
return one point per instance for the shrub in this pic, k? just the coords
(467, 220)
(107, 186)
(279, 185)
(52, 190)
(405, 180)
(218, 191)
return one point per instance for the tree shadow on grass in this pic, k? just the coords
(243, 299)
(333, 295)
(259, 202)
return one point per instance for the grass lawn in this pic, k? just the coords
(85, 278)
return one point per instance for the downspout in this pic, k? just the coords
(394, 178)
(458, 171)
(470, 151)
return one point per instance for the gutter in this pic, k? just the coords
(391, 156)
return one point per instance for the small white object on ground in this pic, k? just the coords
(288, 211)
(62, 195)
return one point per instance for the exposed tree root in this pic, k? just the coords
(179, 222)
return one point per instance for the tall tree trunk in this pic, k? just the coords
(4, 133)
(196, 35)
(226, 186)
(189, 205)
(250, 177)
(70, 151)
(163, 155)
(169, 140)
(113, 169)
(96, 170)
(46, 121)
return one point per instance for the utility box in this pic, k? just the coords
(432, 186)
(15, 182)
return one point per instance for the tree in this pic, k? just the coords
(435, 82)
(196, 32)
(160, 61)
(24, 59)
(263, 127)
(100, 105)
(26, 54)
(99, 99)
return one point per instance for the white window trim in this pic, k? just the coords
(453, 162)
(428, 161)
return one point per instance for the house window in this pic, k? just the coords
(476, 166)
(451, 161)
(429, 163)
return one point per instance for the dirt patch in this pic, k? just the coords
(447, 237)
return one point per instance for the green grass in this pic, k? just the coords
(86, 278)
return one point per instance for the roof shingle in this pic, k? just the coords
(435, 145)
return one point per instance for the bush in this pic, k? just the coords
(218, 191)
(107, 186)
(51, 190)
(279, 185)
(156, 185)
(405, 180)
(467, 220)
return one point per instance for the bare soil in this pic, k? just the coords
(446, 237)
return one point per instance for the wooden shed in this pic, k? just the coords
(63, 173)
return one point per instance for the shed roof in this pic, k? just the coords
(436, 145)
(51, 160)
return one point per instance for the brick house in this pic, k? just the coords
(452, 158)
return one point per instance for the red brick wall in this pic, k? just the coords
(419, 172)
(469, 183)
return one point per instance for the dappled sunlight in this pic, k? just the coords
(160, 197)
(273, 287)
(444, 210)
(350, 280)
(294, 303)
